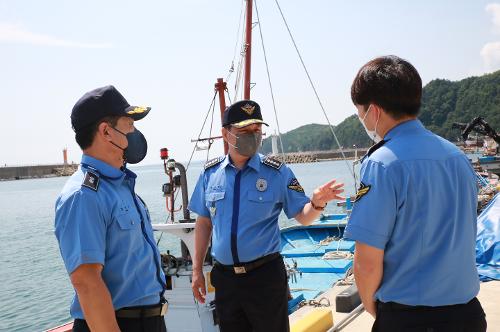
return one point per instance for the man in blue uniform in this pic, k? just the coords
(414, 219)
(103, 227)
(238, 199)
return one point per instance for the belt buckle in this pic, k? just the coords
(239, 270)
(164, 308)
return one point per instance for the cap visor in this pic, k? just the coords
(247, 123)
(137, 112)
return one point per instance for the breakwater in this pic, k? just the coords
(315, 156)
(36, 171)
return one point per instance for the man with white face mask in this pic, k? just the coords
(414, 218)
(238, 199)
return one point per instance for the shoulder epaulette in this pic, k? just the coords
(374, 148)
(91, 180)
(272, 162)
(213, 162)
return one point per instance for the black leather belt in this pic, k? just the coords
(143, 312)
(247, 267)
(393, 306)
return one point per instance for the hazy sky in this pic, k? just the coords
(168, 54)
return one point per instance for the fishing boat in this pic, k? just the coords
(317, 257)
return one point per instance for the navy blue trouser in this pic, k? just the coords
(255, 301)
(149, 324)
(468, 317)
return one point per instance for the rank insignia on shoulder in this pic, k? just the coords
(363, 190)
(295, 186)
(374, 148)
(272, 162)
(213, 162)
(91, 181)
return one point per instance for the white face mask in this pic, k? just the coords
(371, 133)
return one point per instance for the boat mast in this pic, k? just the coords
(248, 50)
(221, 86)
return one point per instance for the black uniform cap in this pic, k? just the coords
(242, 113)
(102, 102)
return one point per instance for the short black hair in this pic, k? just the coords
(391, 83)
(85, 136)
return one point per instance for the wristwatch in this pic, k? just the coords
(318, 208)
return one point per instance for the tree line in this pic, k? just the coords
(443, 103)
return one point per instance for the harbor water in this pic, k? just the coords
(35, 290)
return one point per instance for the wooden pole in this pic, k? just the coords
(248, 50)
(220, 86)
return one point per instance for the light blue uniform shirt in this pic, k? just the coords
(244, 206)
(419, 205)
(100, 222)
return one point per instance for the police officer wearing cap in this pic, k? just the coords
(414, 219)
(103, 227)
(238, 199)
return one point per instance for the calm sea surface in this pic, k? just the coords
(35, 291)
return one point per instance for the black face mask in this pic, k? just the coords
(137, 146)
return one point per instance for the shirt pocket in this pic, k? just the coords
(261, 203)
(130, 235)
(214, 202)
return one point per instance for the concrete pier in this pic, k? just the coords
(36, 171)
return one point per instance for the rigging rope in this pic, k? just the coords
(212, 104)
(269, 80)
(228, 96)
(210, 141)
(314, 89)
(231, 69)
(239, 70)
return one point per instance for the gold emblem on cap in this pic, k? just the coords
(248, 109)
(137, 110)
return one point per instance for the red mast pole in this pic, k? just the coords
(220, 86)
(248, 50)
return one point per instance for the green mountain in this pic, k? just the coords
(443, 102)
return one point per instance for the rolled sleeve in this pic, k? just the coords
(80, 229)
(294, 197)
(374, 212)
(197, 201)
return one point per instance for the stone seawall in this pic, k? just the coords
(315, 156)
(38, 171)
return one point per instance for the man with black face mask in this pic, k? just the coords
(238, 199)
(103, 227)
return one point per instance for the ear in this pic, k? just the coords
(224, 133)
(103, 130)
(377, 110)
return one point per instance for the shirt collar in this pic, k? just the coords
(404, 128)
(103, 168)
(253, 162)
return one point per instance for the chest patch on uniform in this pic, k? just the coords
(91, 181)
(295, 186)
(363, 190)
(213, 162)
(271, 162)
(261, 184)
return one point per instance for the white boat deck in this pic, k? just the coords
(489, 296)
